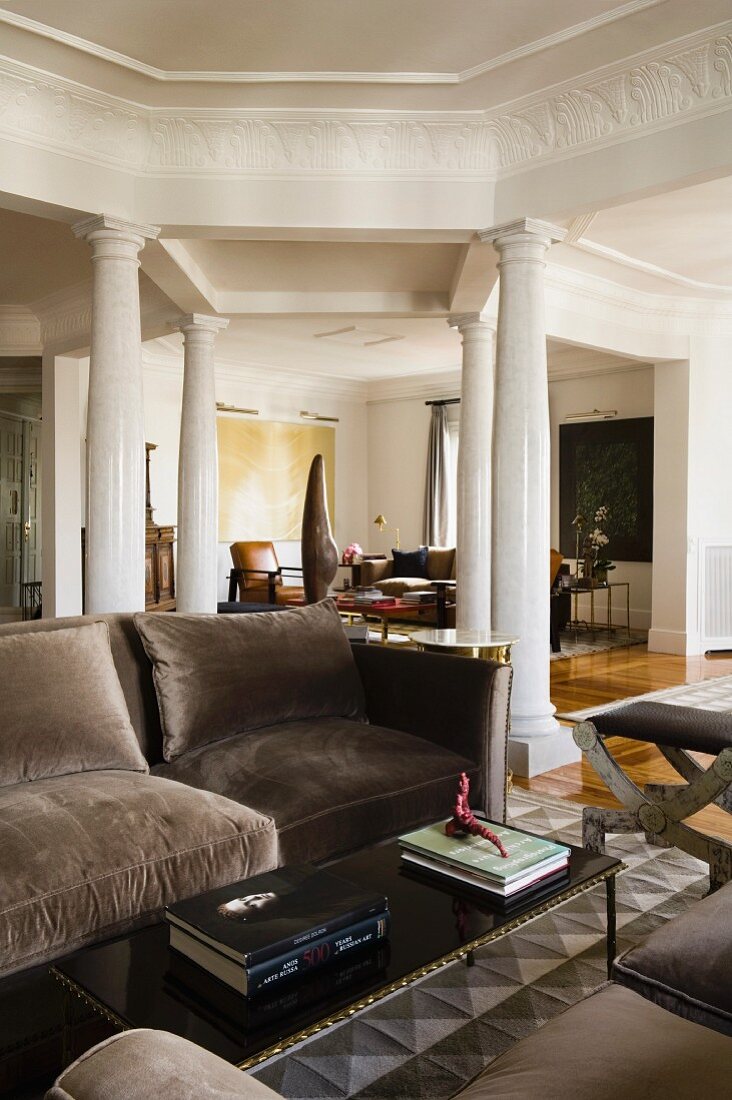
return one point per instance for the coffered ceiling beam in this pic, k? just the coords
(475, 276)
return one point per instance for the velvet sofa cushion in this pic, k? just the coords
(331, 785)
(409, 563)
(397, 586)
(613, 1044)
(86, 857)
(139, 1064)
(63, 709)
(440, 561)
(221, 675)
(685, 965)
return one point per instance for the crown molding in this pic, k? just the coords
(15, 379)
(637, 308)
(688, 78)
(276, 379)
(431, 385)
(124, 61)
(621, 258)
(20, 331)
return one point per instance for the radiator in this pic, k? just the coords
(715, 591)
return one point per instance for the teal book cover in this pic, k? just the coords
(478, 854)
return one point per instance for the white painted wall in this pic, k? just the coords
(398, 432)
(631, 393)
(710, 460)
(668, 632)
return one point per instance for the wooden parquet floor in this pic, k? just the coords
(601, 678)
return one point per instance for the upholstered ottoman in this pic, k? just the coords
(686, 964)
(613, 1044)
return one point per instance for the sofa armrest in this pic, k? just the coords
(374, 571)
(455, 702)
(138, 1064)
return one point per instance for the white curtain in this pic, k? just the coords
(437, 487)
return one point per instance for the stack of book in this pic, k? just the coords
(474, 861)
(369, 597)
(420, 598)
(276, 926)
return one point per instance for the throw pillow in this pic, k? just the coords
(410, 563)
(220, 675)
(63, 708)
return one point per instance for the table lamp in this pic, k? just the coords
(380, 522)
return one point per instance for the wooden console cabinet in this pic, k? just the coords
(159, 570)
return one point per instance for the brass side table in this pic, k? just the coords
(486, 645)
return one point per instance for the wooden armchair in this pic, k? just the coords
(259, 576)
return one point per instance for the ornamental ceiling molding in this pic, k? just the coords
(689, 78)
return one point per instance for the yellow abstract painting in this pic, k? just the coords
(263, 473)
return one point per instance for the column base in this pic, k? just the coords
(530, 756)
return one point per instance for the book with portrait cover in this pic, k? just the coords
(310, 956)
(274, 913)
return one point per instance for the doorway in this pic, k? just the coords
(20, 515)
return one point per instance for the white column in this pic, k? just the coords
(198, 488)
(115, 502)
(60, 487)
(521, 488)
(474, 473)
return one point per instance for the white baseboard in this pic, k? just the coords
(667, 641)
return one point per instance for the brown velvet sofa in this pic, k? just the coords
(339, 749)
(615, 1043)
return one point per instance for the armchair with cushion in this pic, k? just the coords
(258, 575)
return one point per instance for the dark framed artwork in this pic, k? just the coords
(608, 462)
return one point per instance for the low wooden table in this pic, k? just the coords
(137, 981)
(484, 644)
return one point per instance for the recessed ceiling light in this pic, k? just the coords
(357, 337)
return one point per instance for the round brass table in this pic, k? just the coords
(484, 644)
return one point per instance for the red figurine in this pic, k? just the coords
(465, 821)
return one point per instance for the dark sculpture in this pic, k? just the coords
(319, 551)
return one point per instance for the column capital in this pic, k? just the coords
(201, 322)
(462, 321)
(112, 226)
(545, 233)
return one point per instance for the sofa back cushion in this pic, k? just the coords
(220, 675)
(440, 562)
(63, 708)
(133, 669)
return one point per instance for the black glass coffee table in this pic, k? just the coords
(137, 981)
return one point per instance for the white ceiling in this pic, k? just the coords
(39, 257)
(405, 55)
(342, 36)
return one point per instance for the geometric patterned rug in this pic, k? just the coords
(430, 1039)
(713, 694)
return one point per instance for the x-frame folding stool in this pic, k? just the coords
(661, 809)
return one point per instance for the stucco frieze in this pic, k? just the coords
(689, 78)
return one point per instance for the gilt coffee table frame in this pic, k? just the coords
(83, 974)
